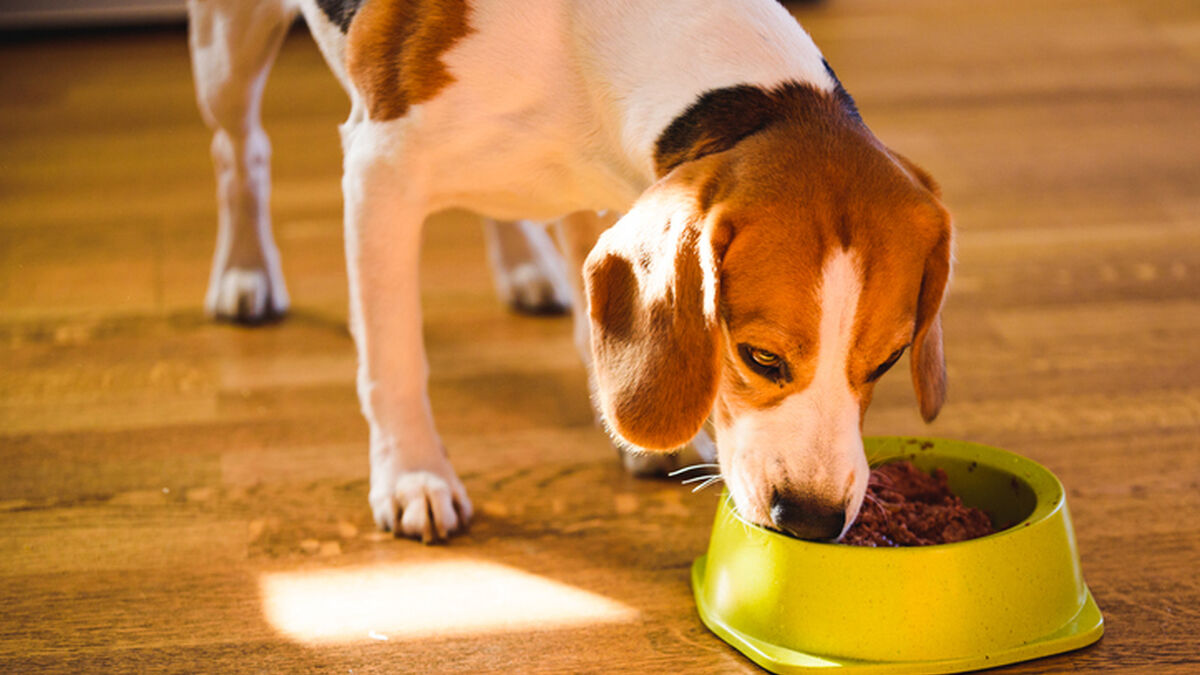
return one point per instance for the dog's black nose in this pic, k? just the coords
(807, 518)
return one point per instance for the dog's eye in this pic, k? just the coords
(764, 358)
(886, 365)
(765, 363)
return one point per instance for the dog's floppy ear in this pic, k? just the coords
(927, 360)
(652, 286)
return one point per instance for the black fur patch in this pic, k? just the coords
(340, 12)
(840, 91)
(720, 118)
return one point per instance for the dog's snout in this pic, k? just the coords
(807, 518)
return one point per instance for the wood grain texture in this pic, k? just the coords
(159, 467)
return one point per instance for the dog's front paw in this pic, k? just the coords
(246, 295)
(421, 504)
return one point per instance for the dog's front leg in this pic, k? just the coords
(414, 490)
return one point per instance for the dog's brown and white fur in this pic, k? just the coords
(773, 259)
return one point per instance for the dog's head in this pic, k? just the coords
(769, 283)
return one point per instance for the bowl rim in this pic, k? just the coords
(1047, 489)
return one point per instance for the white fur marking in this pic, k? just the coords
(841, 284)
(811, 441)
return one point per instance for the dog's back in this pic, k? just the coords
(543, 107)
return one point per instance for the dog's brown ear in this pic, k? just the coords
(652, 287)
(928, 360)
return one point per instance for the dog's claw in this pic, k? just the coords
(423, 505)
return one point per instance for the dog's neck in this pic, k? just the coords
(632, 56)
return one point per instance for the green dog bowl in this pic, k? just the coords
(795, 606)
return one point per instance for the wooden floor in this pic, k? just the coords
(185, 496)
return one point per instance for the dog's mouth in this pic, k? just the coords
(800, 535)
(812, 513)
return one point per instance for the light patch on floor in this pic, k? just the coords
(419, 600)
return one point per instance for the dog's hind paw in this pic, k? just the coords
(528, 271)
(245, 296)
(424, 505)
(533, 291)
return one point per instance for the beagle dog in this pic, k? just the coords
(774, 259)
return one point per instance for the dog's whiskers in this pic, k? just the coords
(712, 480)
(874, 501)
(693, 467)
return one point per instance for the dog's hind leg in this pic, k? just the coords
(529, 273)
(233, 44)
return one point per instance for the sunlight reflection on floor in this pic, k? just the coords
(414, 600)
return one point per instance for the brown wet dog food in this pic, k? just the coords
(907, 507)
